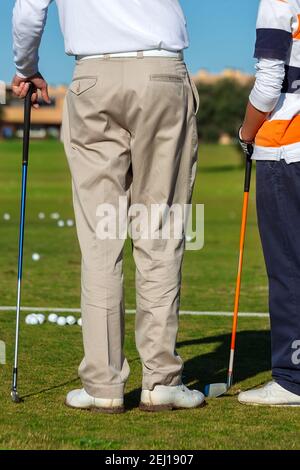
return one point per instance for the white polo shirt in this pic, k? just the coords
(98, 27)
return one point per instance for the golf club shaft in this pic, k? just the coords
(248, 172)
(25, 156)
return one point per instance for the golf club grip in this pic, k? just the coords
(248, 171)
(27, 120)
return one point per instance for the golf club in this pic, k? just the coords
(219, 389)
(26, 136)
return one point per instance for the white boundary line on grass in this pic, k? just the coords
(182, 312)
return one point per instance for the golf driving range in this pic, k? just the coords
(49, 354)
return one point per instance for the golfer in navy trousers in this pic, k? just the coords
(272, 125)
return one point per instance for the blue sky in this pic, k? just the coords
(222, 34)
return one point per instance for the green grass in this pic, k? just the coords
(50, 355)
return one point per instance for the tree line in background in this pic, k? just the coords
(222, 109)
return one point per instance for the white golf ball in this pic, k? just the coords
(41, 318)
(6, 216)
(60, 223)
(52, 318)
(28, 319)
(36, 257)
(71, 320)
(54, 215)
(79, 322)
(61, 321)
(32, 320)
(41, 216)
(70, 223)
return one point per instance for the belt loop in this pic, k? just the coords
(106, 56)
(140, 55)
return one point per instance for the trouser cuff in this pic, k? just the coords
(105, 391)
(289, 386)
(151, 380)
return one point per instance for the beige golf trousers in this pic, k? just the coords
(129, 130)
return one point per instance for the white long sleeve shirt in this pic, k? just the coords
(266, 92)
(98, 27)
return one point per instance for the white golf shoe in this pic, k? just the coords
(81, 400)
(164, 398)
(271, 394)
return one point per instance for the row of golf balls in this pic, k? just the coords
(42, 216)
(39, 319)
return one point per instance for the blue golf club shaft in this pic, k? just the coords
(25, 157)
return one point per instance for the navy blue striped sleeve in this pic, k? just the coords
(272, 44)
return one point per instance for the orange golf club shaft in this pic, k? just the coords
(240, 267)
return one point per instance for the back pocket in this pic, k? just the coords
(166, 78)
(80, 85)
(195, 94)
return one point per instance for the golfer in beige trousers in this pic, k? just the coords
(130, 134)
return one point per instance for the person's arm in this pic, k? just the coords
(253, 121)
(264, 96)
(273, 43)
(29, 19)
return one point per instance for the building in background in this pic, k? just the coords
(46, 121)
(207, 78)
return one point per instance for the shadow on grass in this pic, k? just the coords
(45, 390)
(252, 357)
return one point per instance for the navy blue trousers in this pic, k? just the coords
(278, 209)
